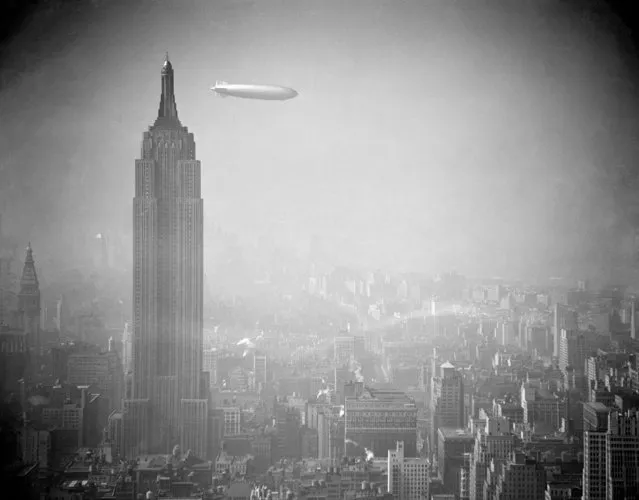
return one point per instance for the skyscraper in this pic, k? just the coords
(210, 365)
(594, 471)
(29, 303)
(168, 279)
(622, 454)
(259, 370)
(447, 401)
(563, 318)
(344, 349)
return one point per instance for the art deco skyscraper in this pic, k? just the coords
(29, 304)
(167, 282)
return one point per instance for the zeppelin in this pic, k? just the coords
(263, 92)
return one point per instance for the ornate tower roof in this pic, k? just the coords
(167, 112)
(29, 280)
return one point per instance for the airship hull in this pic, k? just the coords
(260, 92)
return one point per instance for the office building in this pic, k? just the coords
(541, 406)
(595, 416)
(521, 478)
(595, 372)
(563, 319)
(573, 351)
(168, 277)
(453, 445)
(447, 401)
(611, 453)
(103, 370)
(259, 370)
(342, 377)
(232, 420)
(344, 350)
(324, 423)
(408, 477)
(594, 472)
(493, 445)
(210, 365)
(633, 318)
(65, 417)
(375, 419)
(36, 447)
(622, 455)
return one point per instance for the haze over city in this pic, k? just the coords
(318, 250)
(426, 136)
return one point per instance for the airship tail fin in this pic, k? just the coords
(221, 82)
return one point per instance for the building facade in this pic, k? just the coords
(377, 419)
(447, 402)
(259, 370)
(210, 365)
(168, 276)
(408, 478)
(520, 478)
(622, 455)
(102, 370)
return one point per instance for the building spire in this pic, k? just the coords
(29, 279)
(167, 112)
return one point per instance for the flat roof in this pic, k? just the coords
(388, 394)
(599, 407)
(453, 433)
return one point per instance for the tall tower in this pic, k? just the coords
(447, 401)
(167, 279)
(29, 303)
(633, 318)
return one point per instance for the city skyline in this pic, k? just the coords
(415, 277)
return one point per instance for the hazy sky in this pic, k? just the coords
(426, 134)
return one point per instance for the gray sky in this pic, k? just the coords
(427, 134)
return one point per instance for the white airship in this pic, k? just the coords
(248, 91)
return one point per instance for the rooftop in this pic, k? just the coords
(225, 458)
(154, 461)
(453, 433)
(599, 407)
(510, 406)
(388, 395)
(543, 393)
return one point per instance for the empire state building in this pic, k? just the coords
(168, 406)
